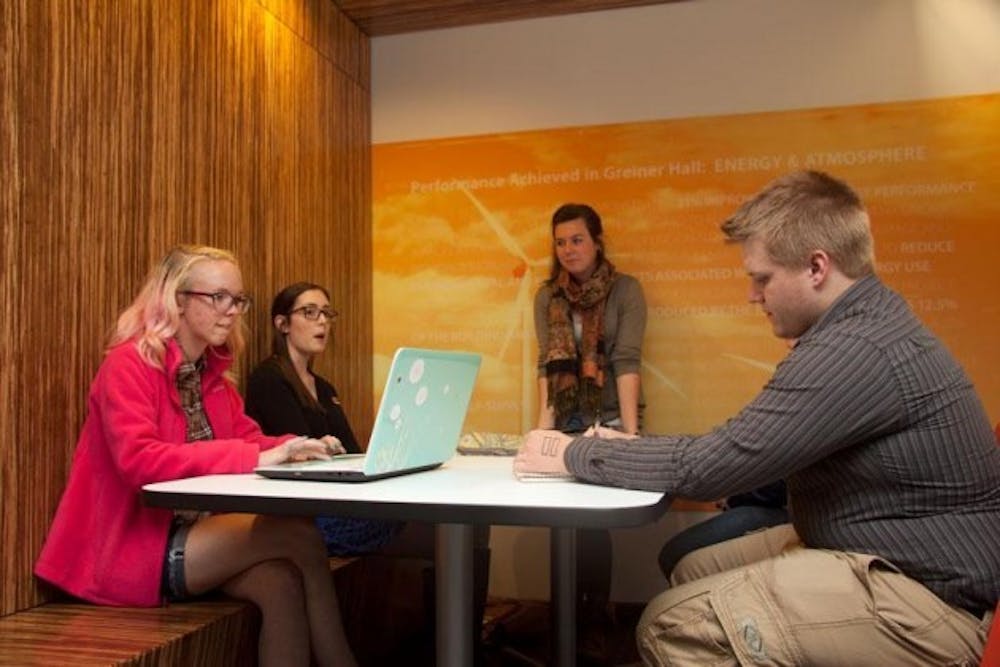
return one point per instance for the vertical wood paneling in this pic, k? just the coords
(11, 24)
(330, 32)
(127, 127)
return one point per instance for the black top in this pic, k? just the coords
(272, 403)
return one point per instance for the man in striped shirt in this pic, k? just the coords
(893, 473)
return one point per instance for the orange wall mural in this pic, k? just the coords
(462, 242)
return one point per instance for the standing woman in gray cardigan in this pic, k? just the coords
(589, 321)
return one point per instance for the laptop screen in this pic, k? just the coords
(423, 407)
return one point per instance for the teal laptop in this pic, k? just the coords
(417, 426)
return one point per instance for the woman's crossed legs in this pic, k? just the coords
(279, 564)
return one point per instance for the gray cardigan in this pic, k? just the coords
(624, 328)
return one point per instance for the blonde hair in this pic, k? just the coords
(154, 316)
(806, 211)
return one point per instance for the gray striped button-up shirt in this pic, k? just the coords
(886, 448)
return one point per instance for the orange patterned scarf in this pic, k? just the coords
(575, 373)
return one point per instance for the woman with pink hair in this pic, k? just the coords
(163, 406)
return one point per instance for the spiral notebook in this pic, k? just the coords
(419, 420)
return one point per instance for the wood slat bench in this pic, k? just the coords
(220, 632)
(207, 632)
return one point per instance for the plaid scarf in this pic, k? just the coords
(189, 388)
(575, 373)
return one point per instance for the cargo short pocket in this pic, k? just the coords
(756, 629)
(792, 608)
(922, 623)
(684, 636)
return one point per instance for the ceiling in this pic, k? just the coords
(392, 17)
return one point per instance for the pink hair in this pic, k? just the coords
(153, 317)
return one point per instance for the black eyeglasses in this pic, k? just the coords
(312, 312)
(222, 300)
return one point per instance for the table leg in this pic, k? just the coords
(453, 583)
(562, 574)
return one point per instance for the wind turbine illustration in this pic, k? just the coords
(756, 363)
(749, 361)
(522, 314)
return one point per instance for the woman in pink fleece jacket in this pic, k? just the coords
(162, 408)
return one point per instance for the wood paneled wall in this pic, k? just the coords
(127, 126)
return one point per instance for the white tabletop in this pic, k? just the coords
(466, 489)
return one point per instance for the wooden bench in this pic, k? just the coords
(215, 631)
(206, 632)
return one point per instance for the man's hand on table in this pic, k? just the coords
(542, 452)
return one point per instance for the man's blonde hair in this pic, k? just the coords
(806, 211)
(153, 317)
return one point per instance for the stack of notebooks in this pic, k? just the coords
(543, 476)
(479, 443)
(492, 444)
(504, 444)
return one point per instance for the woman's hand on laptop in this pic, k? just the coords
(300, 448)
(542, 452)
(333, 445)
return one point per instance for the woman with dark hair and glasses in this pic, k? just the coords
(285, 395)
(163, 406)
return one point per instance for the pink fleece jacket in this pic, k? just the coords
(105, 546)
